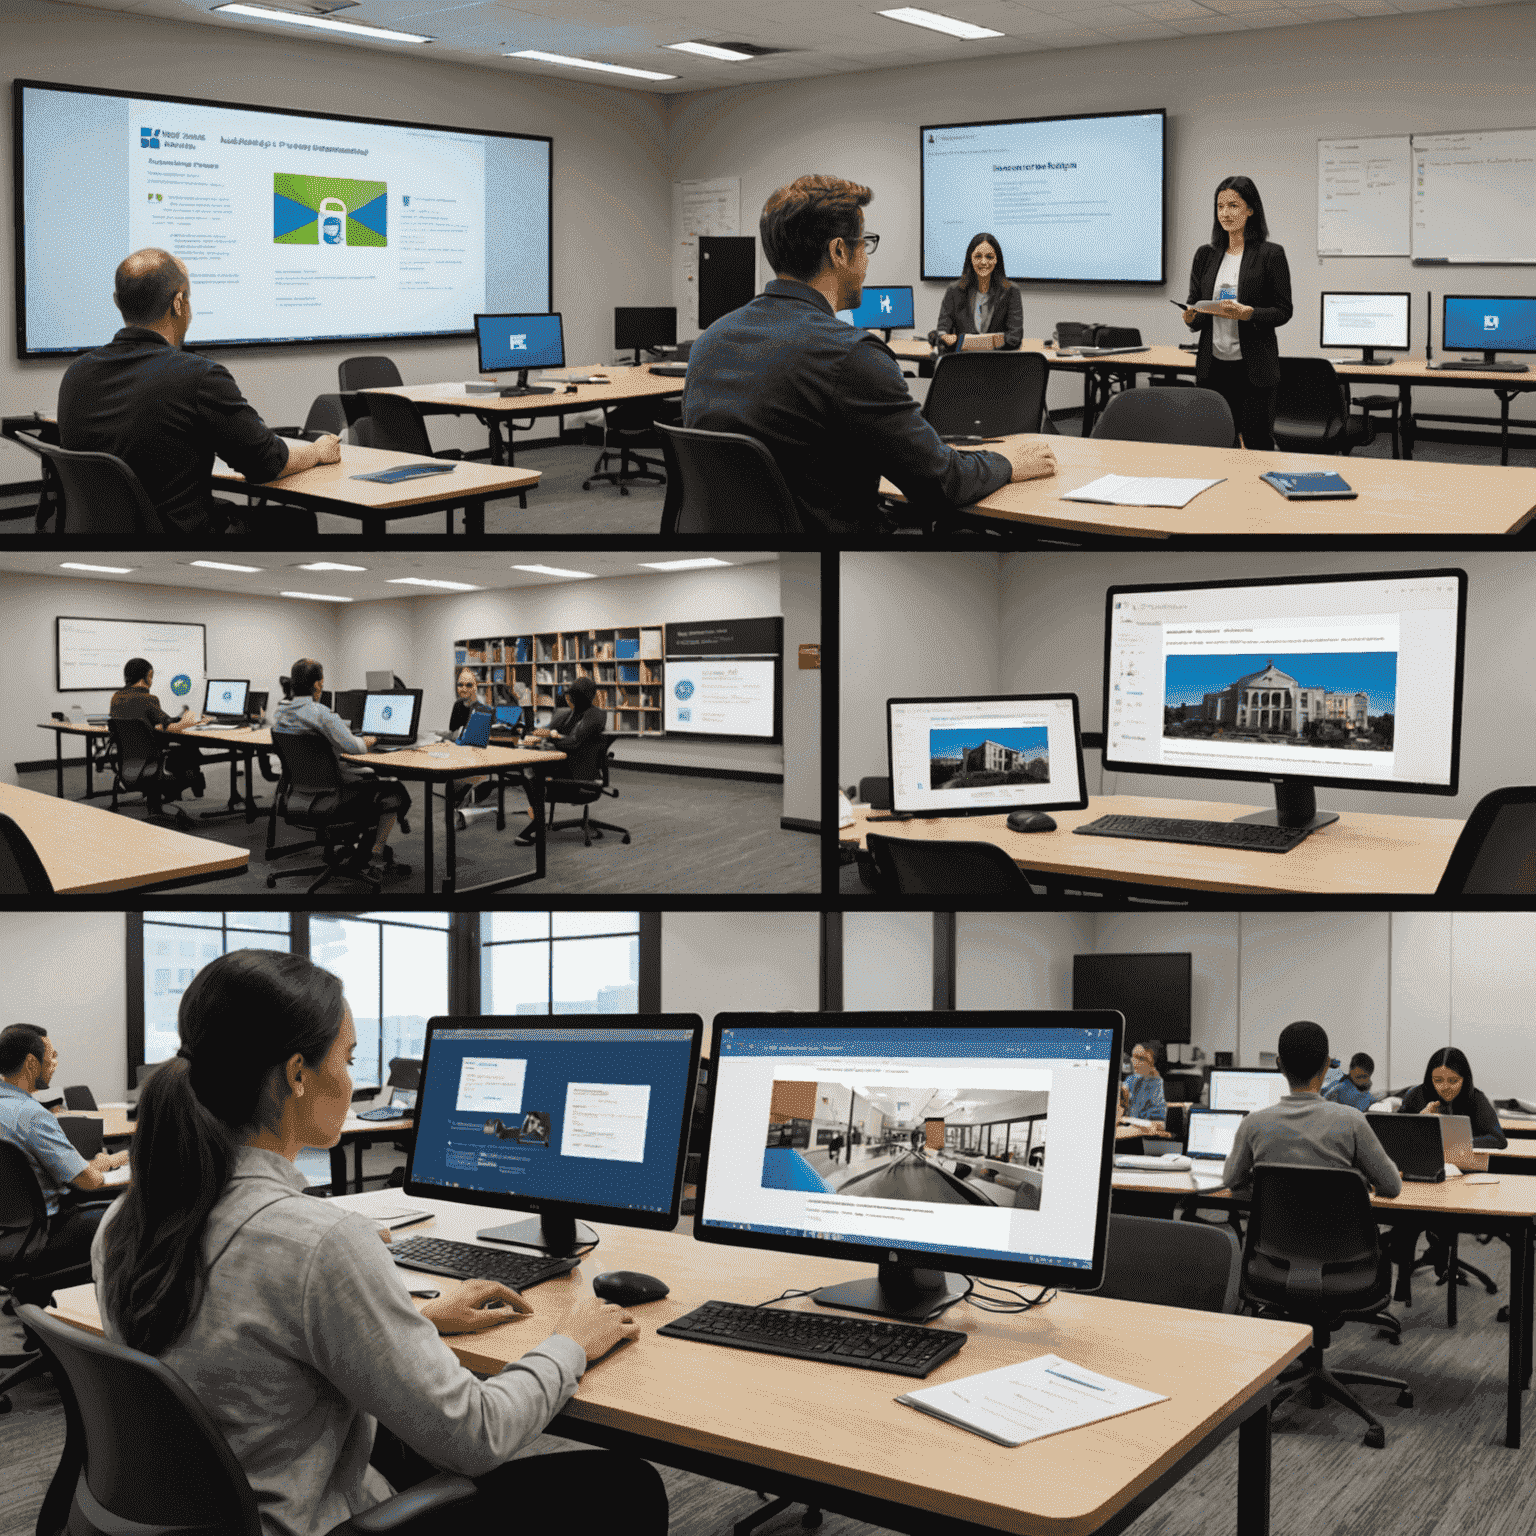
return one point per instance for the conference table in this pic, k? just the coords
(1506, 1209)
(87, 851)
(1360, 854)
(836, 1438)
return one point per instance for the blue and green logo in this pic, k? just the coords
(181, 685)
(329, 210)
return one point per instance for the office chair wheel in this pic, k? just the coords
(1394, 1339)
(1375, 1437)
(1405, 1399)
(271, 882)
(811, 1519)
(1503, 1314)
(623, 490)
(586, 485)
(625, 838)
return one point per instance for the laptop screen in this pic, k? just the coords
(508, 714)
(1211, 1132)
(477, 729)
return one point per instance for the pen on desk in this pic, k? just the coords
(1073, 1379)
(415, 1221)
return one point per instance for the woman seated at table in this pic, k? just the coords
(983, 302)
(286, 1317)
(571, 731)
(1447, 1090)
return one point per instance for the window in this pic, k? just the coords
(560, 962)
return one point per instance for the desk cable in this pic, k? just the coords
(1019, 1302)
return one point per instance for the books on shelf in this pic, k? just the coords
(626, 649)
(650, 643)
(629, 672)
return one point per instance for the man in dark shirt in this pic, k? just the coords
(166, 412)
(829, 400)
(135, 700)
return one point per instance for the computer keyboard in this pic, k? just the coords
(1466, 365)
(1248, 835)
(870, 1343)
(468, 1261)
(385, 1112)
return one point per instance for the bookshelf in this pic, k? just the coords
(535, 669)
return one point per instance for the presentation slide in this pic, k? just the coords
(293, 227)
(1071, 199)
(91, 653)
(721, 698)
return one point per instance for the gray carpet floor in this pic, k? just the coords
(688, 836)
(1445, 1467)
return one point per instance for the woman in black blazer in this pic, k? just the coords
(572, 731)
(1000, 307)
(1239, 354)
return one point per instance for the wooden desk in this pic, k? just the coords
(88, 852)
(330, 488)
(115, 1124)
(836, 1438)
(1357, 855)
(1395, 497)
(1506, 1209)
(1517, 1129)
(442, 763)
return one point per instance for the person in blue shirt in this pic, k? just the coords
(27, 1062)
(1355, 1089)
(1142, 1092)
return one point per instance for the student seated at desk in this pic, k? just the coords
(304, 713)
(829, 401)
(1304, 1127)
(135, 700)
(572, 731)
(1141, 1094)
(27, 1062)
(167, 412)
(983, 302)
(286, 1317)
(467, 689)
(1447, 1090)
(1354, 1088)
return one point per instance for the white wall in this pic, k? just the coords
(423, 631)
(1018, 959)
(913, 624)
(1254, 103)
(254, 637)
(67, 974)
(735, 962)
(612, 192)
(887, 960)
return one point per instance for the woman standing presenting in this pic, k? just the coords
(983, 302)
(1246, 272)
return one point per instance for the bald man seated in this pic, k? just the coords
(167, 412)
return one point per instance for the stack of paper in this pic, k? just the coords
(1140, 491)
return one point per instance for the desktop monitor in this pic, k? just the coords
(1487, 324)
(349, 705)
(507, 716)
(584, 1115)
(391, 717)
(325, 698)
(1368, 321)
(870, 1136)
(1151, 991)
(224, 698)
(1246, 1088)
(255, 704)
(519, 341)
(643, 330)
(881, 309)
(1294, 682)
(978, 756)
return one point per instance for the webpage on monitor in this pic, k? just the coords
(1247, 1091)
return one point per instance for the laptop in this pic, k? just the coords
(1415, 1145)
(1208, 1141)
(390, 718)
(476, 731)
(507, 716)
(402, 1102)
(1456, 1144)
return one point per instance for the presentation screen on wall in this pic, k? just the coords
(91, 653)
(1071, 199)
(294, 227)
(721, 698)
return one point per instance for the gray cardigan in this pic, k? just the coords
(1307, 1129)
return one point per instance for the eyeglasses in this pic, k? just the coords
(871, 243)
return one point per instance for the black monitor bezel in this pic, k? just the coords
(1482, 346)
(1185, 955)
(617, 1216)
(895, 325)
(874, 1252)
(518, 314)
(1247, 1071)
(1384, 786)
(404, 737)
(1363, 293)
(243, 714)
(1079, 804)
(623, 345)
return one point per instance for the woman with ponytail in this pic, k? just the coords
(572, 730)
(285, 1315)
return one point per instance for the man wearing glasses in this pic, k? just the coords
(829, 401)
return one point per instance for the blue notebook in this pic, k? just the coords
(407, 472)
(1312, 485)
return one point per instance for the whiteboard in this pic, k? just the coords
(1474, 196)
(1363, 206)
(91, 653)
(710, 207)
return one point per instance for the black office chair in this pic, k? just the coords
(875, 791)
(358, 373)
(1496, 852)
(1199, 418)
(139, 766)
(79, 1097)
(84, 1133)
(143, 1457)
(1312, 1256)
(586, 785)
(328, 413)
(312, 796)
(1172, 1263)
(21, 871)
(396, 423)
(986, 394)
(724, 483)
(626, 434)
(1312, 410)
(913, 866)
(99, 495)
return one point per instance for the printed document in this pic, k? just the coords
(1140, 491)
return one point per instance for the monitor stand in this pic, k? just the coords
(898, 1290)
(558, 1236)
(1295, 807)
(1368, 359)
(523, 387)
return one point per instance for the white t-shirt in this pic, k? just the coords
(1224, 332)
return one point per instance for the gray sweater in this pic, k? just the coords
(307, 1336)
(1307, 1129)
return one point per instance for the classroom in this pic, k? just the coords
(1391, 988)
(697, 769)
(847, 90)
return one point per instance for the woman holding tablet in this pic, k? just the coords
(983, 302)
(1245, 275)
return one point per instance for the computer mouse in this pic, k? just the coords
(570, 389)
(629, 1288)
(1031, 821)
